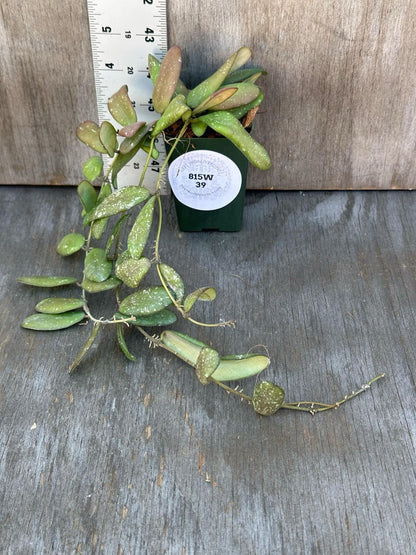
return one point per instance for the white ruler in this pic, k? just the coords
(123, 33)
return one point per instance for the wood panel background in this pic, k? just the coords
(340, 94)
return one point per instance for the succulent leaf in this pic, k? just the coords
(108, 138)
(267, 398)
(118, 201)
(89, 133)
(215, 99)
(121, 108)
(176, 110)
(228, 125)
(70, 243)
(244, 94)
(167, 79)
(92, 167)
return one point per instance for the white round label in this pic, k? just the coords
(204, 179)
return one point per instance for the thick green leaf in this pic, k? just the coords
(131, 271)
(70, 243)
(249, 74)
(87, 195)
(144, 302)
(198, 127)
(154, 67)
(58, 305)
(164, 317)
(241, 111)
(108, 137)
(206, 364)
(98, 227)
(183, 346)
(267, 398)
(53, 322)
(97, 287)
(176, 110)
(231, 369)
(146, 147)
(167, 79)
(201, 294)
(97, 266)
(215, 99)
(92, 167)
(130, 143)
(87, 345)
(89, 133)
(173, 280)
(115, 233)
(139, 233)
(121, 107)
(213, 83)
(229, 126)
(118, 201)
(122, 343)
(244, 94)
(47, 281)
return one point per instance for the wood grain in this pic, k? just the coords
(140, 458)
(340, 92)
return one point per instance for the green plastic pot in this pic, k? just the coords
(214, 177)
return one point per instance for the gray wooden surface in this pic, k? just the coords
(340, 93)
(139, 458)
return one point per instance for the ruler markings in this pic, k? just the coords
(120, 50)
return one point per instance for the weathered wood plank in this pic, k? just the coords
(135, 458)
(340, 93)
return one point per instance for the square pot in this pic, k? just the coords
(208, 181)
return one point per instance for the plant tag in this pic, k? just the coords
(204, 179)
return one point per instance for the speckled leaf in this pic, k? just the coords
(244, 94)
(139, 233)
(173, 281)
(108, 137)
(131, 130)
(267, 398)
(176, 110)
(58, 305)
(97, 266)
(167, 79)
(97, 287)
(201, 294)
(131, 271)
(121, 107)
(144, 302)
(87, 195)
(206, 364)
(89, 133)
(98, 227)
(115, 233)
(70, 243)
(214, 99)
(130, 143)
(92, 167)
(164, 317)
(228, 125)
(118, 201)
(47, 281)
(53, 322)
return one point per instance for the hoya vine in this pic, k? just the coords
(118, 223)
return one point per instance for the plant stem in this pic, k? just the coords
(314, 407)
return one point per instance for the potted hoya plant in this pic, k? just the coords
(120, 236)
(207, 136)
